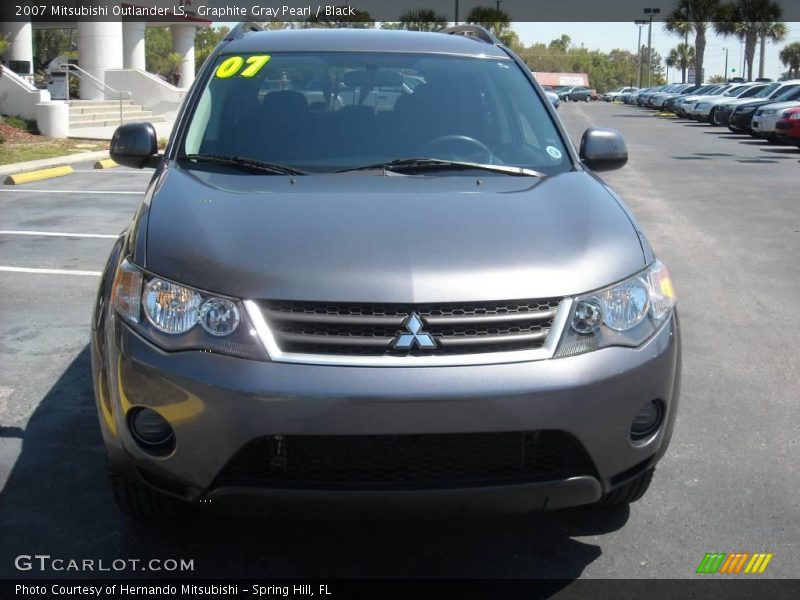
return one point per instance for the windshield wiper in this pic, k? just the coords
(435, 164)
(249, 164)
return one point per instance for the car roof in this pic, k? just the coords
(362, 40)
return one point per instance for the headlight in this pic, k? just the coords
(745, 111)
(170, 307)
(792, 116)
(626, 314)
(179, 317)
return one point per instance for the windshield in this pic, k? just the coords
(767, 91)
(330, 111)
(789, 92)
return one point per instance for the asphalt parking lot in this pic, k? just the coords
(720, 209)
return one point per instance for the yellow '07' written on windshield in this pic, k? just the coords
(238, 65)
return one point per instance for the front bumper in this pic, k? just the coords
(764, 125)
(788, 131)
(217, 404)
(741, 122)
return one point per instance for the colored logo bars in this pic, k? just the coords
(734, 563)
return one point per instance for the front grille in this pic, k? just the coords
(360, 329)
(406, 461)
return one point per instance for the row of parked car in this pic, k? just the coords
(764, 109)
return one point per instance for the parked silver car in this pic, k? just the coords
(431, 304)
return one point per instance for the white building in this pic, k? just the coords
(111, 56)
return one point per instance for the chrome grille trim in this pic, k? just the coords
(545, 351)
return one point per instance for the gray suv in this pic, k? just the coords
(371, 273)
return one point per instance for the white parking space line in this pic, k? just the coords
(59, 234)
(51, 271)
(27, 191)
(112, 172)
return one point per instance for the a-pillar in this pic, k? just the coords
(20, 38)
(133, 45)
(99, 49)
(183, 44)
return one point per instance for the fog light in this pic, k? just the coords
(150, 428)
(647, 420)
(588, 316)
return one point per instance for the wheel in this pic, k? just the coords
(140, 502)
(628, 492)
(568, 98)
(773, 140)
(586, 99)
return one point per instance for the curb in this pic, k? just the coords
(56, 161)
(105, 164)
(30, 176)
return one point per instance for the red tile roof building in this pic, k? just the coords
(557, 79)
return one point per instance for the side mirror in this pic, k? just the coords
(603, 149)
(135, 145)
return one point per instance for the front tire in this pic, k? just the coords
(629, 492)
(141, 503)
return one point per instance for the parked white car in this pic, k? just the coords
(704, 106)
(685, 103)
(617, 93)
(766, 117)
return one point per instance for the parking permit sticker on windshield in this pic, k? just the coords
(554, 152)
(233, 65)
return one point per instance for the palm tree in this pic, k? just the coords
(743, 19)
(693, 15)
(422, 19)
(671, 61)
(772, 31)
(682, 56)
(495, 20)
(790, 57)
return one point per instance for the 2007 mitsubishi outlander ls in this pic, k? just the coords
(370, 271)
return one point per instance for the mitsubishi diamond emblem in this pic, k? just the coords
(413, 335)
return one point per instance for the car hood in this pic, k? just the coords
(781, 105)
(720, 99)
(396, 238)
(740, 101)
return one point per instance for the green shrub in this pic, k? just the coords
(22, 124)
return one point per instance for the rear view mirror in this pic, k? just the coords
(135, 145)
(373, 78)
(603, 149)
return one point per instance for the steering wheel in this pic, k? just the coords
(450, 145)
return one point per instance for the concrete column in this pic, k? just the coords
(183, 44)
(20, 37)
(52, 118)
(133, 45)
(99, 48)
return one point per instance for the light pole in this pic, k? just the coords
(726, 64)
(456, 21)
(639, 23)
(650, 12)
(497, 4)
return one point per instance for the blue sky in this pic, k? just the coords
(607, 36)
